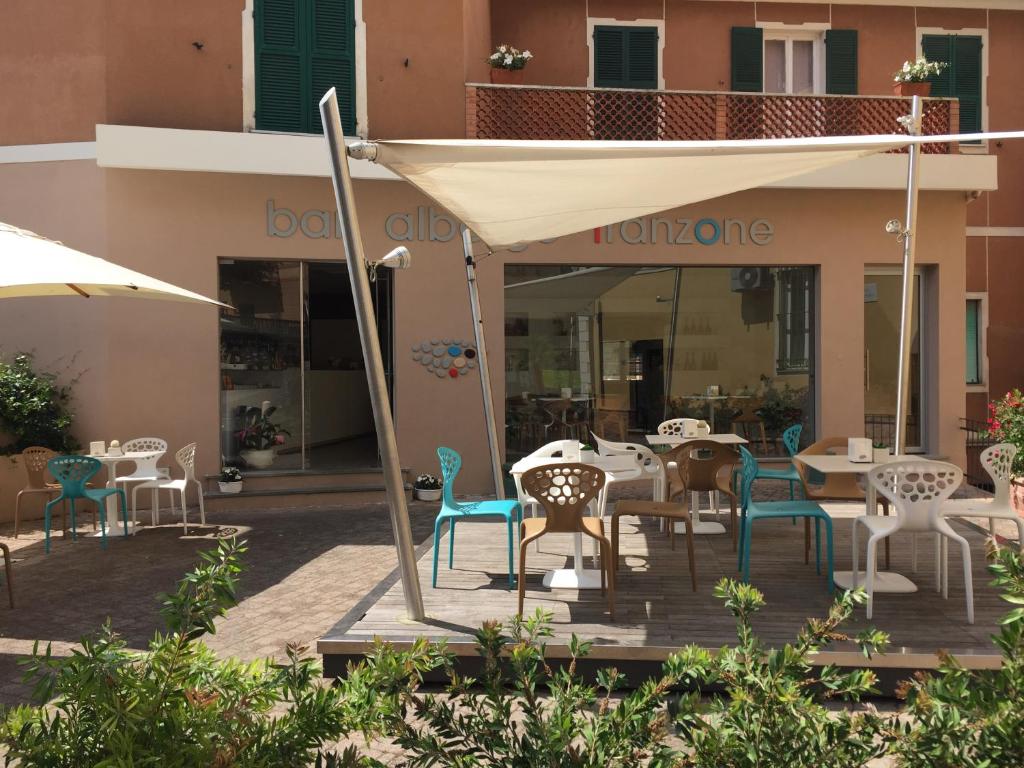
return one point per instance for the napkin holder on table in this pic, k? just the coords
(97, 448)
(859, 450)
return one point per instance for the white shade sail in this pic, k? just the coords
(32, 265)
(513, 192)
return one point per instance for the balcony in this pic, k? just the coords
(543, 112)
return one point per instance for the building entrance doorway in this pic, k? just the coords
(293, 382)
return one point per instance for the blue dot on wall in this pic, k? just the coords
(454, 350)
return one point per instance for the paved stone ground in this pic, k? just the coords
(305, 569)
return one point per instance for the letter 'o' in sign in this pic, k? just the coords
(445, 358)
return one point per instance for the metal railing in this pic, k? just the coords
(976, 440)
(544, 112)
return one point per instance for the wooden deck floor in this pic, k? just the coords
(656, 610)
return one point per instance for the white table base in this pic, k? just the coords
(576, 577)
(114, 523)
(702, 528)
(569, 578)
(885, 581)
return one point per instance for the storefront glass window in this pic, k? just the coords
(618, 350)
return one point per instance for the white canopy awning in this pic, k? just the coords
(512, 192)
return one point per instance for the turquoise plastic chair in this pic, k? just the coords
(751, 511)
(73, 472)
(790, 439)
(453, 511)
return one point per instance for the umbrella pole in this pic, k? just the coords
(375, 377)
(485, 372)
(907, 307)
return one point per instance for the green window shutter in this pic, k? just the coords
(966, 78)
(279, 69)
(841, 61)
(609, 57)
(973, 341)
(625, 57)
(332, 60)
(962, 78)
(642, 57)
(747, 59)
(939, 48)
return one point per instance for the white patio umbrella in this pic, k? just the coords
(33, 265)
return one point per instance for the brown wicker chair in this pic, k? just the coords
(34, 460)
(7, 573)
(670, 512)
(837, 487)
(565, 490)
(747, 419)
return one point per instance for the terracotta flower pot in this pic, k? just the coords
(507, 76)
(912, 89)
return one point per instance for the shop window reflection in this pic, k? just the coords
(617, 350)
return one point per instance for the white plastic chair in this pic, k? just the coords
(917, 490)
(146, 469)
(997, 461)
(186, 458)
(648, 463)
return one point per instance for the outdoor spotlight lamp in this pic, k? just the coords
(399, 258)
(895, 227)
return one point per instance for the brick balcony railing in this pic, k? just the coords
(543, 112)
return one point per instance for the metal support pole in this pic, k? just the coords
(485, 372)
(375, 376)
(907, 308)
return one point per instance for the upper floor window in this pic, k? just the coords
(303, 48)
(625, 57)
(962, 79)
(975, 345)
(790, 61)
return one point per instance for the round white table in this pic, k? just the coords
(110, 462)
(577, 577)
(885, 581)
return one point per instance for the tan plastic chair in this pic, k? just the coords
(34, 460)
(565, 490)
(837, 487)
(701, 470)
(7, 573)
(670, 512)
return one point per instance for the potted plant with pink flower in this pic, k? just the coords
(260, 435)
(1006, 425)
(507, 64)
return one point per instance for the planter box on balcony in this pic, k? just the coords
(507, 76)
(912, 89)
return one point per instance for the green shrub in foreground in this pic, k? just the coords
(178, 705)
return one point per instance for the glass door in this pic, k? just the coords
(261, 364)
(339, 429)
(882, 301)
(293, 380)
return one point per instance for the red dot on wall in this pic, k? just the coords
(453, 372)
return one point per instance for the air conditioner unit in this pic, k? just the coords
(750, 279)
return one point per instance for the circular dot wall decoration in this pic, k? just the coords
(445, 358)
